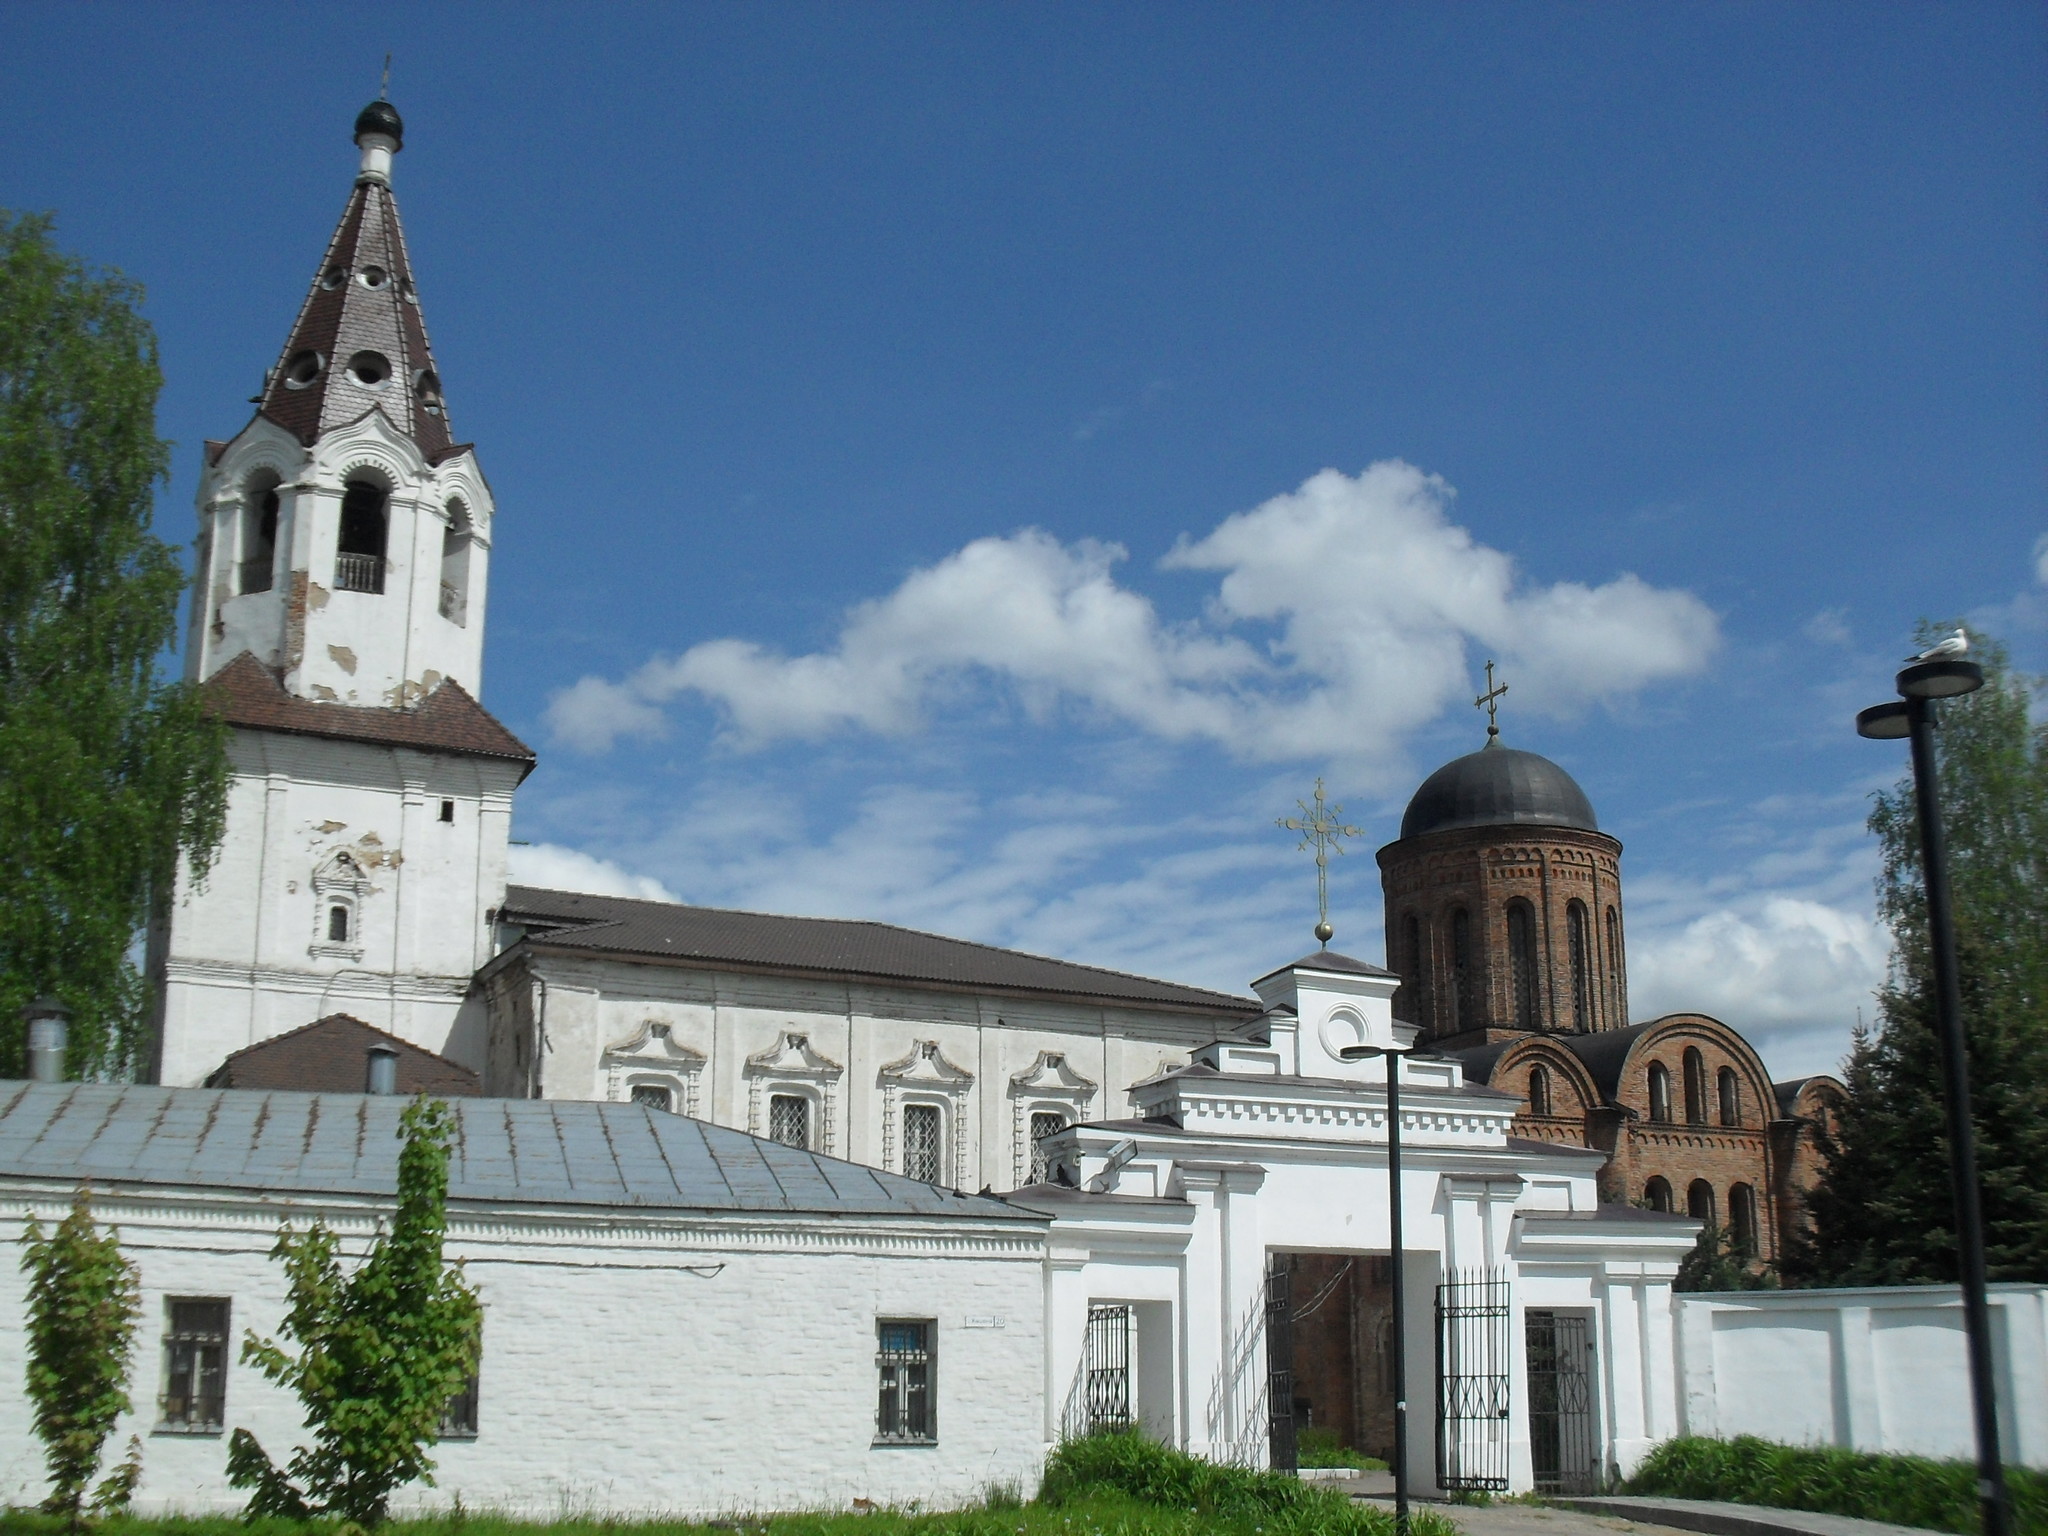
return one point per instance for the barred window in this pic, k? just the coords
(654, 1096)
(903, 1410)
(458, 1419)
(921, 1142)
(789, 1119)
(1044, 1123)
(195, 1366)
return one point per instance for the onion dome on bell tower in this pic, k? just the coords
(1503, 903)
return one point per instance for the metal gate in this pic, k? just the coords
(1109, 1368)
(1561, 1439)
(1280, 1364)
(1472, 1383)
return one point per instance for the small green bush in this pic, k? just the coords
(1319, 1447)
(1905, 1490)
(1276, 1503)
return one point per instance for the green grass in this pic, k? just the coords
(1105, 1485)
(1905, 1490)
(1318, 1447)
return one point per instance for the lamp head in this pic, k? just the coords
(1884, 722)
(1945, 679)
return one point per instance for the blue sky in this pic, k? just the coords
(975, 466)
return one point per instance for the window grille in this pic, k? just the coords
(921, 1142)
(337, 925)
(1109, 1368)
(458, 1419)
(789, 1120)
(654, 1096)
(1043, 1124)
(195, 1367)
(903, 1410)
(1472, 1318)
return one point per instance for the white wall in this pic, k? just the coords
(594, 1006)
(614, 1377)
(1882, 1369)
(245, 960)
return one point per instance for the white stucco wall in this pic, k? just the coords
(245, 956)
(593, 1009)
(631, 1364)
(1879, 1369)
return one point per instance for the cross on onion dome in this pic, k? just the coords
(1322, 828)
(1490, 702)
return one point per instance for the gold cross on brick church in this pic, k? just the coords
(1505, 923)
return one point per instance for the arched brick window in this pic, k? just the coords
(1731, 1097)
(1742, 1217)
(1539, 1090)
(1660, 1093)
(1695, 1087)
(1657, 1194)
(1462, 974)
(1699, 1200)
(1522, 963)
(1417, 973)
(1580, 940)
(1614, 973)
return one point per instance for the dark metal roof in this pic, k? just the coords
(381, 117)
(618, 925)
(1604, 1054)
(330, 1055)
(247, 693)
(528, 1151)
(1498, 787)
(1330, 960)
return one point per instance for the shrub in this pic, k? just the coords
(1135, 1467)
(1905, 1490)
(1319, 1447)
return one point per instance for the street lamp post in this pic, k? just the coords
(1400, 1285)
(1919, 686)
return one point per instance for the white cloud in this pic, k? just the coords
(1789, 972)
(1830, 627)
(555, 868)
(1341, 621)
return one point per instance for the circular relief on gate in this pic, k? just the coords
(1343, 1027)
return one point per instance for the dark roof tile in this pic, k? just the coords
(330, 1056)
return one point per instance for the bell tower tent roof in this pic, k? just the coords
(359, 342)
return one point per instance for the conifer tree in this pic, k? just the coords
(1883, 1214)
(106, 770)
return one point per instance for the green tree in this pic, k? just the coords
(106, 770)
(1720, 1261)
(381, 1351)
(1883, 1214)
(83, 1300)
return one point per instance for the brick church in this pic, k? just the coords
(1505, 923)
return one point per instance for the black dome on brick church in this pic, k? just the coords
(1498, 786)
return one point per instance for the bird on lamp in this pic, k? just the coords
(1957, 644)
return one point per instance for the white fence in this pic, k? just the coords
(1882, 1369)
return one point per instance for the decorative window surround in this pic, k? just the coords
(652, 1058)
(1048, 1086)
(926, 1077)
(792, 1066)
(338, 881)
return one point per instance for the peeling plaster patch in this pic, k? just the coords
(325, 694)
(316, 596)
(343, 658)
(331, 826)
(372, 840)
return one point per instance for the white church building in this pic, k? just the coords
(715, 1174)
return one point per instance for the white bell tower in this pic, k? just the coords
(337, 622)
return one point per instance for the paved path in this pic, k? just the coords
(1635, 1514)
